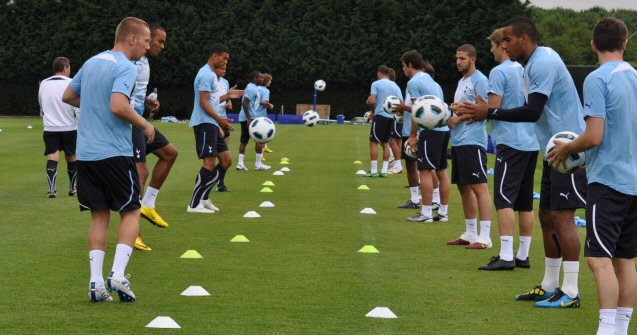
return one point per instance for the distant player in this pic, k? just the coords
(396, 138)
(160, 146)
(265, 105)
(60, 125)
(210, 128)
(107, 177)
(516, 159)
(553, 104)
(383, 122)
(610, 100)
(249, 110)
(224, 105)
(469, 154)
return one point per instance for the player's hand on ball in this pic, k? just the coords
(413, 141)
(558, 155)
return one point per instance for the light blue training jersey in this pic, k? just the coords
(506, 80)
(545, 73)
(422, 84)
(465, 133)
(141, 85)
(407, 121)
(610, 92)
(224, 87)
(101, 134)
(264, 93)
(383, 88)
(205, 81)
(440, 95)
(252, 93)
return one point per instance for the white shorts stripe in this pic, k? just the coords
(504, 174)
(132, 190)
(481, 167)
(427, 156)
(597, 235)
(575, 189)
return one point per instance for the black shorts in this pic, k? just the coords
(60, 141)
(611, 223)
(468, 165)
(208, 140)
(141, 149)
(397, 130)
(245, 132)
(402, 148)
(381, 129)
(562, 190)
(514, 178)
(432, 149)
(111, 183)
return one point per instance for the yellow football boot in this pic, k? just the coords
(268, 150)
(140, 245)
(153, 216)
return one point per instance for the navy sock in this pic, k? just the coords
(52, 173)
(204, 178)
(71, 169)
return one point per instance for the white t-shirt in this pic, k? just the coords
(57, 115)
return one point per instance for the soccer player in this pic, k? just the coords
(222, 107)
(469, 156)
(249, 110)
(60, 125)
(553, 104)
(210, 128)
(395, 138)
(383, 122)
(516, 159)
(264, 104)
(160, 146)
(106, 172)
(610, 97)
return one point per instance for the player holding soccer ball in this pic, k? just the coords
(383, 122)
(250, 110)
(264, 104)
(469, 145)
(210, 128)
(554, 105)
(610, 97)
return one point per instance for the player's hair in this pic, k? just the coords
(429, 69)
(60, 63)
(254, 75)
(469, 49)
(414, 58)
(267, 76)
(154, 28)
(609, 34)
(218, 49)
(384, 69)
(129, 26)
(497, 36)
(392, 74)
(522, 26)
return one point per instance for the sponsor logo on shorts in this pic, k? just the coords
(565, 195)
(210, 149)
(138, 153)
(476, 174)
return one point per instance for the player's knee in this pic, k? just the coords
(599, 264)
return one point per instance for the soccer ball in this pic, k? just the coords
(410, 151)
(319, 85)
(574, 161)
(367, 117)
(389, 103)
(311, 118)
(430, 111)
(262, 130)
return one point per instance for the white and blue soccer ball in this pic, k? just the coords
(390, 102)
(574, 161)
(311, 118)
(319, 85)
(410, 151)
(262, 130)
(430, 112)
(367, 117)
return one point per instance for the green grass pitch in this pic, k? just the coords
(300, 273)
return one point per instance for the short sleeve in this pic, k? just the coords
(125, 79)
(481, 88)
(497, 80)
(76, 82)
(542, 76)
(205, 83)
(594, 97)
(374, 89)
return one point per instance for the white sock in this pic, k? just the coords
(258, 162)
(427, 211)
(241, 157)
(525, 245)
(436, 195)
(374, 167)
(606, 322)
(149, 197)
(551, 274)
(485, 230)
(385, 167)
(622, 320)
(443, 210)
(96, 258)
(569, 283)
(391, 155)
(122, 255)
(398, 165)
(472, 227)
(414, 194)
(506, 248)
